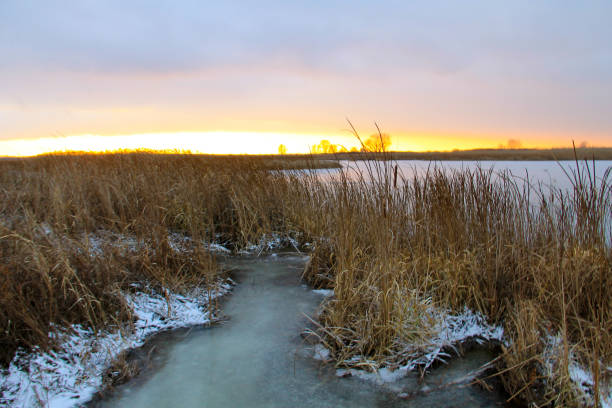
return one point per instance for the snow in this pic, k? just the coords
(95, 243)
(450, 331)
(467, 325)
(454, 329)
(270, 242)
(72, 374)
(581, 377)
(213, 247)
(321, 352)
(379, 376)
(324, 292)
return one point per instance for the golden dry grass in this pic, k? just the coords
(387, 246)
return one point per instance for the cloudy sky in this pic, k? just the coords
(433, 74)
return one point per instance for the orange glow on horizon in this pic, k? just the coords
(195, 142)
(225, 142)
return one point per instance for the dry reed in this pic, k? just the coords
(536, 262)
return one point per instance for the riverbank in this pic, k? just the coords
(80, 360)
(84, 362)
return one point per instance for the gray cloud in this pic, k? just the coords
(168, 36)
(475, 64)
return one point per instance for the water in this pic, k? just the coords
(257, 358)
(546, 173)
(544, 177)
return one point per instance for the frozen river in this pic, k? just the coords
(257, 358)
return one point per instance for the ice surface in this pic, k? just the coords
(257, 358)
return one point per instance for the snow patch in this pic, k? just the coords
(269, 242)
(72, 374)
(213, 247)
(581, 377)
(451, 330)
(324, 292)
(321, 352)
(95, 243)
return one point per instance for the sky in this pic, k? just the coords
(243, 77)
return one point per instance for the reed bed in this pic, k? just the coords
(536, 262)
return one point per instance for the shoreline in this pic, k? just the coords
(76, 371)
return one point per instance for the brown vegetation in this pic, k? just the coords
(466, 239)
(384, 245)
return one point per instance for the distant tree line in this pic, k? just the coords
(374, 143)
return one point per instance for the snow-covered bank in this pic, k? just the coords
(72, 374)
(450, 331)
(581, 377)
(270, 242)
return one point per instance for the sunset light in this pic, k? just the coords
(221, 142)
(236, 77)
(195, 142)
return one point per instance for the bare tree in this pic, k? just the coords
(514, 144)
(378, 142)
(325, 146)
